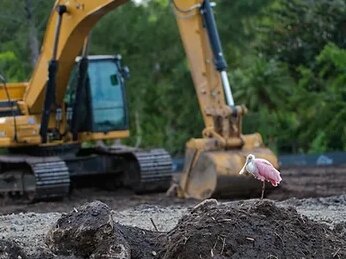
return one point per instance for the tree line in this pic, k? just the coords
(286, 58)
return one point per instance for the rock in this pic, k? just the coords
(88, 231)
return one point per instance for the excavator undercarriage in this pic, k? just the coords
(32, 178)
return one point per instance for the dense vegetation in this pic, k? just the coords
(287, 61)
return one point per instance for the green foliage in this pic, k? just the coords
(237, 23)
(308, 38)
(297, 30)
(11, 66)
(287, 64)
(263, 84)
(320, 99)
(15, 33)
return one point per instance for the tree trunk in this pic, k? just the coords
(32, 33)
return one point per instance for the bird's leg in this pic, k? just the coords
(263, 187)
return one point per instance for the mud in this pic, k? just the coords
(88, 231)
(310, 182)
(302, 182)
(316, 227)
(11, 250)
(117, 200)
(239, 229)
(251, 229)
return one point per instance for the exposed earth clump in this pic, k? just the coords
(252, 229)
(91, 232)
(88, 232)
(10, 250)
(211, 229)
(245, 229)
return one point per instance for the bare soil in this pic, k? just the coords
(116, 200)
(307, 220)
(9, 249)
(311, 182)
(251, 229)
(239, 229)
(249, 219)
(298, 183)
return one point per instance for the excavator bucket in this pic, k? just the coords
(216, 173)
(212, 163)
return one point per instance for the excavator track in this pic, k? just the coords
(52, 178)
(37, 178)
(155, 170)
(41, 178)
(146, 170)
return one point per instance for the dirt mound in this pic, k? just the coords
(245, 229)
(251, 229)
(90, 232)
(10, 250)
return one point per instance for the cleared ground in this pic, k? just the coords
(27, 224)
(29, 229)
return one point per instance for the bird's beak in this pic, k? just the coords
(243, 170)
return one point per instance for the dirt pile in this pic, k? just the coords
(9, 249)
(251, 229)
(90, 232)
(244, 229)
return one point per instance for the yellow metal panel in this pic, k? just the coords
(27, 131)
(15, 90)
(80, 18)
(206, 78)
(87, 136)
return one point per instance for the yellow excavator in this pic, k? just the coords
(72, 98)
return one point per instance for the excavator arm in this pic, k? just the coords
(208, 68)
(77, 21)
(212, 162)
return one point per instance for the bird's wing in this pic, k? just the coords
(267, 170)
(264, 161)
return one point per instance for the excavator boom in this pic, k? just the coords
(212, 162)
(78, 20)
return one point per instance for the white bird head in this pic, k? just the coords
(249, 158)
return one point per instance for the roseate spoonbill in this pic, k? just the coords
(262, 170)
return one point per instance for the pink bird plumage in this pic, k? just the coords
(262, 170)
(266, 171)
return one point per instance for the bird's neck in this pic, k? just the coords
(251, 168)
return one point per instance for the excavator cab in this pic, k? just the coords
(102, 106)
